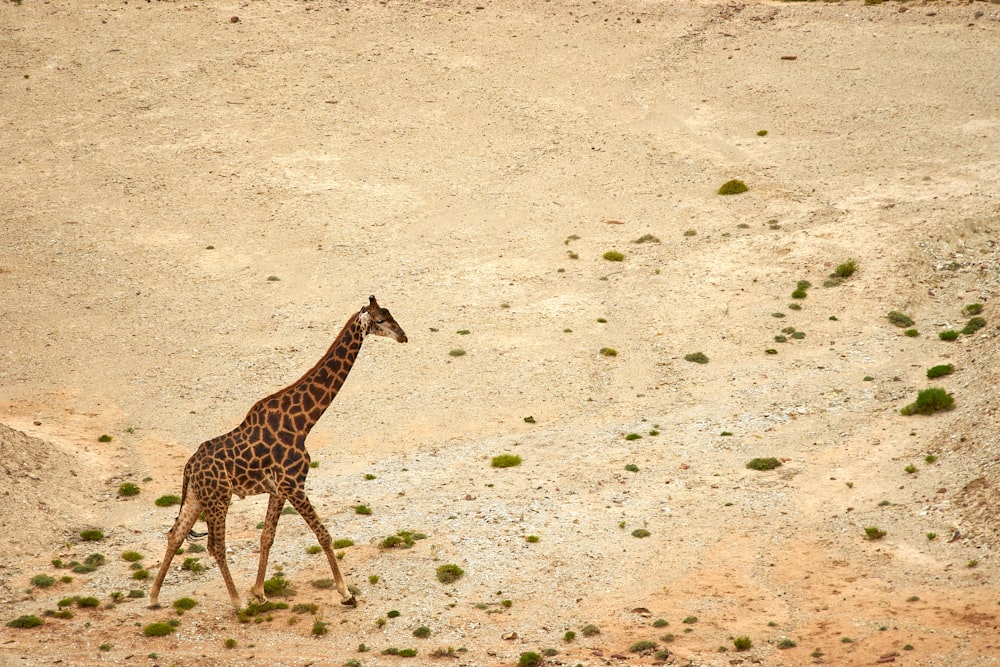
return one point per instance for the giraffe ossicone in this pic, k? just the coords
(267, 454)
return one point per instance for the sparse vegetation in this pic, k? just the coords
(973, 325)
(362, 509)
(767, 463)
(529, 659)
(785, 643)
(319, 628)
(647, 238)
(899, 319)
(422, 632)
(167, 500)
(313, 549)
(631, 467)
(733, 187)
(640, 533)
(132, 556)
(874, 533)
(948, 334)
(449, 573)
(742, 643)
(343, 543)
(457, 352)
(185, 604)
(911, 333)
(157, 629)
(929, 401)
(690, 620)
(910, 469)
(27, 621)
(92, 535)
(642, 646)
(505, 461)
(128, 489)
(696, 357)
(278, 586)
(590, 630)
(105, 438)
(846, 269)
(42, 581)
(609, 352)
(973, 308)
(940, 370)
(193, 565)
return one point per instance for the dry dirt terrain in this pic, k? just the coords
(195, 196)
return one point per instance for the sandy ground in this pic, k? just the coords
(196, 195)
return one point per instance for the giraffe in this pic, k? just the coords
(267, 454)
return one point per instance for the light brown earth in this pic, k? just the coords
(470, 165)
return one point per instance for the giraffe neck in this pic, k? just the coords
(303, 402)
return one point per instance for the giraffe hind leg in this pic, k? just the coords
(175, 538)
(216, 518)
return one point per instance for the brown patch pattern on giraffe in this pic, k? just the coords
(267, 454)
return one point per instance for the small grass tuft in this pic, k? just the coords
(608, 352)
(742, 643)
(613, 256)
(874, 533)
(167, 500)
(948, 334)
(642, 646)
(590, 630)
(767, 463)
(362, 509)
(128, 489)
(973, 325)
(449, 573)
(42, 581)
(846, 269)
(929, 401)
(26, 621)
(641, 532)
(185, 604)
(92, 535)
(157, 629)
(696, 357)
(529, 659)
(422, 632)
(940, 370)
(899, 319)
(973, 308)
(733, 187)
(505, 461)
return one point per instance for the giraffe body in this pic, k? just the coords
(267, 454)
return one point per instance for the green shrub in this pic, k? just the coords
(590, 630)
(733, 187)
(633, 436)
(973, 309)
(846, 270)
(640, 532)
(278, 586)
(613, 256)
(422, 632)
(185, 604)
(696, 357)
(24, 622)
(449, 573)
(768, 463)
(529, 659)
(973, 325)
(89, 602)
(901, 320)
(230, 643)
(42, 581)
(457, 352)
(157, 629)
(319, 628)
(742, 643)
(505, 461)
(929, 401)
(785, 643)
(193, 565)
(569, 636)
(92, 535)
(104, 438)
(132, 556)
(912, 333)
(362, 509)
(136, 593)
(631, 467)
(799, 294)
(940, 370)
(690, 620)
(948, 334)
(167, 500)
(642, 645)
(342, 543)
(128, 489)
(647, 238)
(95, 560)
(608, 352)
(323, 583)
(874, 533)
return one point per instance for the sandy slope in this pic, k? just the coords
(470, 165)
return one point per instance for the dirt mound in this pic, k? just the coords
(41, 487)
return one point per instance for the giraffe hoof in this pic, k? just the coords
(352, 602)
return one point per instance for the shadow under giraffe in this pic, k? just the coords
(267, 454)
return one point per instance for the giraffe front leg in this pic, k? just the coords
(274, 505)
(305, 509)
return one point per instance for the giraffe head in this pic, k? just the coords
(380, 322)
